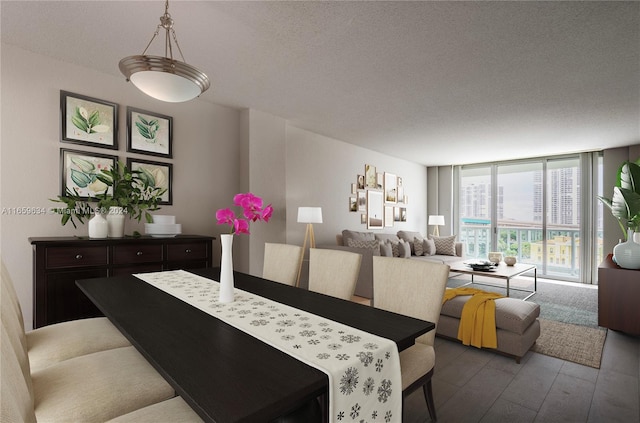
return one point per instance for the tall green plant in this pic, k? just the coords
(625, 203)
(132, 190)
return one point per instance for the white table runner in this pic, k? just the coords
(363, 369)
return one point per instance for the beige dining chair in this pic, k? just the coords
(413, 288)
(281, 262)
(333, 272)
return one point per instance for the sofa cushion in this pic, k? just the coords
(512, 314)
(387, 237)
(409, 237)
(418, 247)
(445, 245)
(385, 249)
(374, 245)
(404, 249)
(360, 236)
(429, 247)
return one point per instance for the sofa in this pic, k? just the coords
(403, 244)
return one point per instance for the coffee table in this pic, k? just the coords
(502, 271)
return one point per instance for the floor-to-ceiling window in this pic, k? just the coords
(533, 209)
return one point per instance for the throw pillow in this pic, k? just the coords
(374, 245)
(429, 247)
(409, 236)
(418, 246)
(445, 245)
(404, 249)
(395, 249)
(385, 249)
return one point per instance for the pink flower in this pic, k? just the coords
(251, 210)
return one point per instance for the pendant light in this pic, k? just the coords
(165, 78)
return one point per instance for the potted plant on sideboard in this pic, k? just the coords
(625, 207)
(120, 192)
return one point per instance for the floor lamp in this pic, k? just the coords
(436, 221)
(308, 215)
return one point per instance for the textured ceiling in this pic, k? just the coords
(433, 82)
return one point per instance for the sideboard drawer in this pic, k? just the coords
(141, 253)
(187, 251)
(80, 256)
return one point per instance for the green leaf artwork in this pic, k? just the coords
(148, 129)
(88, 122)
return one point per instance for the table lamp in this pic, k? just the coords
(436, 220)
(308, 215)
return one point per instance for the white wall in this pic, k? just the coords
(320, 171)
(206, 161)
(218, 152)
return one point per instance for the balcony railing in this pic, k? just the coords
(557, 257)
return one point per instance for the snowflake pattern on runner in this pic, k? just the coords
(363, 369)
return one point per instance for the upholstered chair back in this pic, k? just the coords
(17, 397)
(410, 287)
(333, 272)
(281, 262)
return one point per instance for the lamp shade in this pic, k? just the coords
(309, 214)
(436, 220)
(164, 79)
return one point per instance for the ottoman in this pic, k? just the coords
(516, 322)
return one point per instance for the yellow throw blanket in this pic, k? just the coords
(478, 320)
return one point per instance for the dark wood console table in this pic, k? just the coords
(59, 261)
(618, 296)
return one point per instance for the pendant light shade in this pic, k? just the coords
(165, 78)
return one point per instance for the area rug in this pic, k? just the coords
(579, 344)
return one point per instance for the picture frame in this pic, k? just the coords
(375, 210)
(149, 133)
(353, 204)
(379, 180)
(88, 121)
(396, 214)
(363, 218)
(79, 170)
(370, 176)
(162, 174)
(390, 188)
(354, 189)
(360, 182)
(362, 201)
(388, 216)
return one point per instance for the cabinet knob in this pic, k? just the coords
(139, 253)
(78, 256)
(188, 251)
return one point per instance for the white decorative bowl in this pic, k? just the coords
(510, 260)
(163, 218)
(495, 257)
(162, 229)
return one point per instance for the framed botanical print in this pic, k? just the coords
(390, 188)
(375, 210)
(370, 176)
(353, 205)
(149, 133)
(157, 175)
(362, 201)
(79, 172)
(88, 121)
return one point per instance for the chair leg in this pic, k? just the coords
(428, 395)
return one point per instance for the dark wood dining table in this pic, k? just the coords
(224, 374)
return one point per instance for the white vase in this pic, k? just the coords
(627, 254)
(226, 269)
(98, 226)
(636, 237)
(116, 222)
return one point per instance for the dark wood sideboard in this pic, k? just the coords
(618, 297)
(59, 261)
